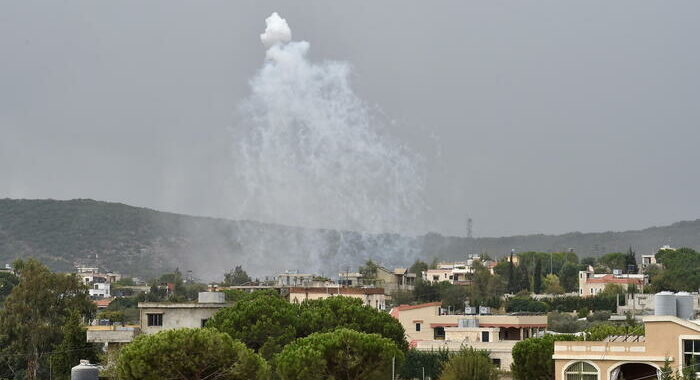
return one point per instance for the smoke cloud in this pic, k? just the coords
(309, 153)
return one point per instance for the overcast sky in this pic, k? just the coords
(533, 116)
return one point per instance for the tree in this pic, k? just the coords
(189, 354)
(339, 354)
(568, 277)
(328, 314)
(588, 261)
(369, 270)
(72, 348)
(680, 270)
(523, 278)
(537, 277)
(552, 285)
(236, 277)
(418, 363)
(630, 262)
(7, 282)
(262, 320)
(453, 296)
(425, 291)
(418, 267)
(35, 311)
(532, 358)
(512, 286)
(614, 260)
(469, 364)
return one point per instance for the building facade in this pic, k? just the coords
(429, 328)
(590, 283)
(631, 357)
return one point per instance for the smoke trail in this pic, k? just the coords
(309, 153)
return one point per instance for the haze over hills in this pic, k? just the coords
(145, 242)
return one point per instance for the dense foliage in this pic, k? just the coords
(339, 354)
(33, 318)
(189, 354)
(532, 358)
(266, 323)
(419, 363)
(469, 364)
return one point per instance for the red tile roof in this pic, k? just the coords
(611, 279)
(103, 302)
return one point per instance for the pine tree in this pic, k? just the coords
(511, 276)
(630, 261)
(523, 278)
(537, 280)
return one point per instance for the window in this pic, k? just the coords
(691, 351)
(155, 319)
(581, 371)
(484, 336)
(417, 326)
(204, 322)
(439, 333)
(496, 363)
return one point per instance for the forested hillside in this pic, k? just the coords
(144, 242)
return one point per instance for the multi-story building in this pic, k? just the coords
(159, 316)
(390, 280)
(631, 357)
(291, 278)
(373, 297)
(590, 283)
(428, 327)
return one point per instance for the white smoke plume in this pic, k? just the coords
(276, 31)
(309, 152)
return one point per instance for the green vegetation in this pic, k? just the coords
(266, 323)
(339, 354)
(236, 277)
(469, 364)
(418, 363)
(39, 316)
(532, 358)
(189, 354)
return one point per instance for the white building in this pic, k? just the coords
(100, 290)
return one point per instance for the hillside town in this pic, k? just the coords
(620, 316)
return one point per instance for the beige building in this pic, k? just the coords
(373, 297)
(631, 357)
(590, 283)
(159, 316)
(428, 329)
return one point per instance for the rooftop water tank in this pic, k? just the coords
(211, 297)
(469, 310)
(665, 303)
(684, 305)
(84, 371)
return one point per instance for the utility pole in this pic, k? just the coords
(393, 368)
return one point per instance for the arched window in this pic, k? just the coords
(581, 371)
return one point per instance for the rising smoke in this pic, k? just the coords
(309, 153)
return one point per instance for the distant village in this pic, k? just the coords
(444, 307)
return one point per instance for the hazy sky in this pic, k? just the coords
(533, 116)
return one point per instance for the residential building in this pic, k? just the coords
(7, 269)
(428, 327)
(99, 290)
(159, 316)
(590, 283)
(290, 278)
(631, 357)
(350, 279)
(647, 261)
(373, 297)
(398, 279)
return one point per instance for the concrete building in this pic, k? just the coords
(647, 261)
(590, 283)
(350, 279)
(631, 357)
(428, 328)
(159, 316)
(290, 278)
(100, 290)
(645, 304)
(373, 297)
